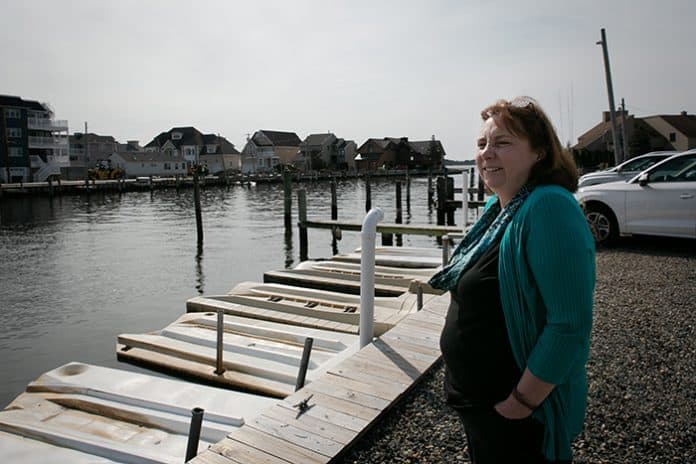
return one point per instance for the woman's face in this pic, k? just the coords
(504, 160)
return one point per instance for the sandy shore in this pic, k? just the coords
(642, 372)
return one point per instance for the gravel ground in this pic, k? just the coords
(642, 371)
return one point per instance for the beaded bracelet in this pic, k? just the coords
(520, 399)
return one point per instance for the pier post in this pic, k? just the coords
(302, 222)
(334, 203)
(399, 213)
(430, 189)
(60, 187)
(368, 193)
(450, 197)
(219, 368)
(287, 191)
(194, 433)
(197, 205)
(465, 199)
(304, 363)
(479, 192)
(445, 250)
(441, 200)
(367, 275)
(50, 187)
(408, 193)
(419, 296)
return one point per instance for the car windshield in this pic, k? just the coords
(642, 164)
(679, 169)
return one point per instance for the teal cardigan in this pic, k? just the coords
(547, 277)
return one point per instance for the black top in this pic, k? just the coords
(480, 367)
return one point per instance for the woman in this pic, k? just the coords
(516, 336)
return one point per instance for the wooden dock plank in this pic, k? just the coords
(389, 373)
(289, 432)
(320, 411)
(237, 452)
(277, 447)
(329, 401)
(329, 385)
(373, 386)
(285, 413)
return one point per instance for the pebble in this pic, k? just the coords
(641, 372)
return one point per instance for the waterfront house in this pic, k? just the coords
(148, 163)
(87, 151)
(643, 135)
(326, 151)
(194, 148)
(399, 153)
(267, 149)
(33, 145)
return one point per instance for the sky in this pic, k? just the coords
(358, 68)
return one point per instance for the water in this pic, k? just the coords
(77, 271)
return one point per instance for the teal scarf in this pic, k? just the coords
(488, 230)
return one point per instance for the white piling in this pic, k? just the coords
(367, 274)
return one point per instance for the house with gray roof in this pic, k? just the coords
(267, 149)
(326, 151)
(189, 145)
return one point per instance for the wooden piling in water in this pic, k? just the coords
(450, 197)
(334, 203)
(441, 200)
(302, 222)
(399, 213)
(430, 189)
(368, 193)
(287, 191)
(197, 205)
(408, 192)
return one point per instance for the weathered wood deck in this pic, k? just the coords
(343, 403)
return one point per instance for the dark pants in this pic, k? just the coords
(494, 439)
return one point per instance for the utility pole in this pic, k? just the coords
(610, 92)
(624, 116)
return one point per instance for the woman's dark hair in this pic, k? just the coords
(523, 117)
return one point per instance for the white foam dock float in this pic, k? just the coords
(404, 257)
(306, 307)
(345, 277)
(258, 355)
(84, 413)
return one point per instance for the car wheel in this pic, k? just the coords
(602, 224)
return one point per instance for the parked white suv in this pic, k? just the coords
(659, 201)
(625, 170)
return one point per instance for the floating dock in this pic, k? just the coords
(81, 413)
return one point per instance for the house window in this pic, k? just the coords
(11, 113)
(14, 132)
(212, 148)
(176, 135)
(167, 166)
(260, 162)
(672, 136)
(16, 152)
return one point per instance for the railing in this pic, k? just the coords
(47, 124)
(48, 142)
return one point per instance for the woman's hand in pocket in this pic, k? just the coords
(510, 408)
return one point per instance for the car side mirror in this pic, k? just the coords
(643, 179)
(619, 170)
